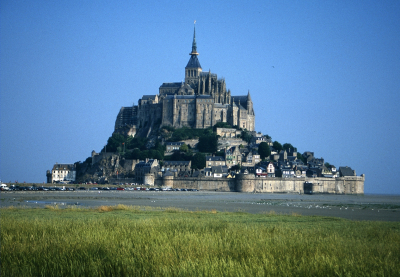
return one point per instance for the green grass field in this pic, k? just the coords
(132, 241)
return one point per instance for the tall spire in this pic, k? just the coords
(193, 67)
(194, 46)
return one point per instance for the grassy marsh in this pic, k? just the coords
(139, 241)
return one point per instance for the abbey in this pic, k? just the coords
(201, 101)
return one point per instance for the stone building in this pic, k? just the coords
(201, 101)
(146, 170)
(61, 173)
(215, 161)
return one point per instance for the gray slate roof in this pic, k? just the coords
(193, 62)
(216, 158)
(70, 167)
(346, 171)
(169, 85)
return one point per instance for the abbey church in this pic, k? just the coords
(201, 101)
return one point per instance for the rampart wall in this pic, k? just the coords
(251, 183)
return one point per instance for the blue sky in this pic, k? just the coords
(323, 75)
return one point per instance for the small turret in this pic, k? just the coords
(249, 103)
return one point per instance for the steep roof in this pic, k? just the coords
(193, 62)
(149, 97)
(215, 158)
(70, 167)
(242, 99)
(346, 171)
(169, 85)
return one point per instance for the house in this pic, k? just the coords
(284, 170)
(328, 172)
(283, 156)
(219, 171)
(315, 162)
(312, 172)
(257, 138)
(172, 146)
(250, 158)
(228, 133)
(300, 171)
(261, 172)
(346, 171)
(144, 167)
(215, 161)
(62, 173)
(233, 156)
(177, 166)
(270, 170)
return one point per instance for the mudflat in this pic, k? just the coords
(354, 207)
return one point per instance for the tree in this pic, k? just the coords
(277, 146)
(208, 143)
(246, 136)
(137, 142)
(221, 125)
(264, 150)
(114, 142)
(301, 157)
(177, 156)
(199, 161)
(288, 146)
(235, 168)
(184, 148)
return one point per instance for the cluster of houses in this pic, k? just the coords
(240, 158)
(245, 159)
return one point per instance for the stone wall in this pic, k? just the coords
(251, 183)
(212, 184)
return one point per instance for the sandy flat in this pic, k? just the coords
(362, 207)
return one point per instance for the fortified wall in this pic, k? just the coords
(251, 183)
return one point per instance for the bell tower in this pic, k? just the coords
(193, 68)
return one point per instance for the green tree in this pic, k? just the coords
(235, 168)
(177, 156)
(264, 150)
(221, 125)
(301, 158)
(288, 146)
(184, 148)
(115, 141)
(277, 146)
(246, 136)
(208, 143)
(136, 142)
(198, 161)
(135, 154)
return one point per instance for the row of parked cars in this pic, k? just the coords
(34, 188)
(63, 188)
(136, 188)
